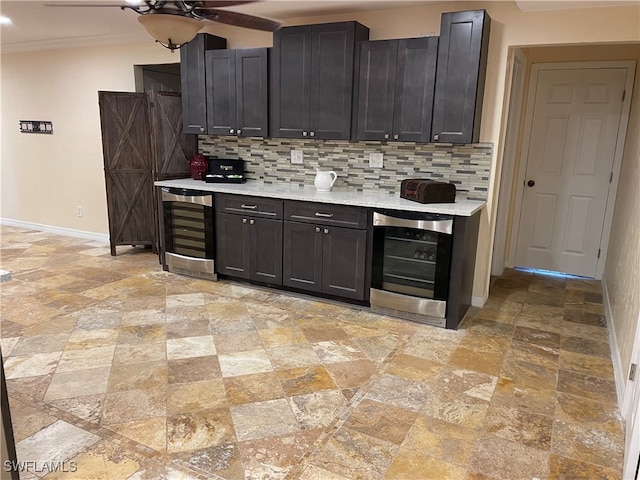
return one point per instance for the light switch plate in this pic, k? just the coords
(297, 156)
(375, 160)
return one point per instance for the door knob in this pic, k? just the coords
(531, 183)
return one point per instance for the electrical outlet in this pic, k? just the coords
(375, 160)
(297, 156)
(79, 211)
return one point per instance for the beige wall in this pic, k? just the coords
(45, 178)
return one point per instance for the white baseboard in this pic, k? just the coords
(478, 301)
(99, 237)
(619, 375)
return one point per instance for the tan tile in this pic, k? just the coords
(562, 468)
(95, 357)
(253, 388)
(525, 373)
(238, 342)
(187, 328)
(78, 383)
(193, 369)
(56, 325)
(199, 430)
(28, 345)
(132, 376)
(589, 386)
(31, 365)
(354, 455)
(400, 392)
(407, 462)
(34, 387)
(143, 317)
(293, 356)
(585, 346)
(497, 457)
(88, 407)
(529, 429)
(480, 353)
(587, 364)
(189, 347)
(584, 411)
(151, 432)
(263, 419)
(383, 421)
(415, 368)
(281, 337)
(351, 374)
(130, 405)
(442, 440)
(588, 444)
(318, 409)
(142, 334)
(196, 396)
(82, 339)
(223, 461)
(244, 363)
(140, 353)
(331, 351)
(27, 420)
(298, 381)
(522, 397)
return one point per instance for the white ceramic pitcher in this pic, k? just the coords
(324, 180)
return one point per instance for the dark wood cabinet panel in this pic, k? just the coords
(237, 92)
(462, 63)
(302, 259)
(193, 80)
(248, 245)
(232, 245)
(265, 250)
(312, 80)
(396, 85)
(343, 262)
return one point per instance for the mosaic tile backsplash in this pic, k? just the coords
(269, 160)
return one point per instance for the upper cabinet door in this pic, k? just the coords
(221, 92)
(415, 84)
(252, 92)
(462, 63)
(193, 81)
(290, 82)
(376, 92)
(312, 80)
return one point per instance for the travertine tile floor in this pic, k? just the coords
(118, 370)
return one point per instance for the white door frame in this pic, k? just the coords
(630, 66)
(509, 162)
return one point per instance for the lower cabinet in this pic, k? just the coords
(249, 245)
(319, 255)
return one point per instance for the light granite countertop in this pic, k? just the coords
(367, 198)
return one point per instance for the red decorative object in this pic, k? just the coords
(198, 166)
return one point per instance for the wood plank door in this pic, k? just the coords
(171, 148)
(570, 153)
(127, 168)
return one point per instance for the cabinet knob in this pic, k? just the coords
(386, 135)
(326, 230)
(304, 134)
(231, 131)
(201, 129)
(244, 220)
(436, 137)
(395, 137)
(317, 229)
(239, 132)
(313, 134)
(252, 221)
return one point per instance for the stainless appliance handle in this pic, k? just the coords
(441, 226)
(200, 199)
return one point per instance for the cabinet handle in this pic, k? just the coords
(395, 137)
(386, 135)
(244, 220)
(324, 215)
(326, 230)
(231, 131)
(252, 221)
(239, 132)
(304, 134)
(249, 207)
(317, 229)
(436, 137)
(313, 134)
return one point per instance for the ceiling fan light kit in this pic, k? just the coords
(174, 23)
(170, 31)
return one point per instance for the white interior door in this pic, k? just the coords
(571, 147)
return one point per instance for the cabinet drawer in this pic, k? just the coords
(254, 206)
(326, 214)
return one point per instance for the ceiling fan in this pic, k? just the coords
(172, 23)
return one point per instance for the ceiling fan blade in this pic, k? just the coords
(240, 19)
(80, 5)
(222, 3)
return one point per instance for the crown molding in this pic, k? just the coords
(76, 42)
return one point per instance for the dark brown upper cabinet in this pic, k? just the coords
(312, 69)
(395, 89)
(237, 92)
(462, 64)
(193, 81)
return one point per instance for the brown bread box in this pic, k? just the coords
(423, 190)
